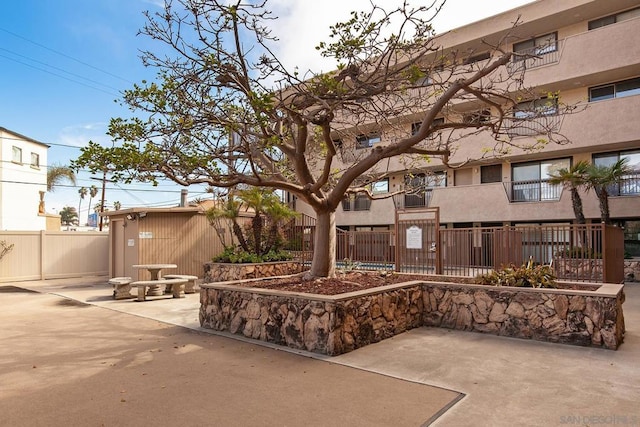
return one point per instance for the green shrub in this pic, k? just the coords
(236, 255)
(527, 276)
(576, 252)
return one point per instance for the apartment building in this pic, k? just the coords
(588, 52)
(23, 182)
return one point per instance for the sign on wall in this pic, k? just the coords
(414, 237)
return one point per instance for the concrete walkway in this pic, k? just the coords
(505, 382)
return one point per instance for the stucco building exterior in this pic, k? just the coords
(588, 52)
(23, 182)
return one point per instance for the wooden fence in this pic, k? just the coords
(39, 255)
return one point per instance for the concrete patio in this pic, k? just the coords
(502, 381)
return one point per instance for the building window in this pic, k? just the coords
(478, 117)
(536, 108)
(536, 46)
(16, 155)
(615, 90)
(380, 187)
(530, 180)
(630, 184)
(491, 173)
(415, 126)
(367, 141)
(477, 58)
(612, 19)
(359, 202)
(419, 188)
(35, 160)
(346, 203)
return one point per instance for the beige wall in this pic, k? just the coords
(40, 255)
(182, 238)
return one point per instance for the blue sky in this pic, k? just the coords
(64, 63)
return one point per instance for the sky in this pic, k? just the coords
(64, 64)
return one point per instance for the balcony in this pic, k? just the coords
(522, 126)
(532, 191)
(629, 186)
(357, 203)
(535, 57)
(586, 54)
(410, 201)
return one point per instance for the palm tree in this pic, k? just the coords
(603, 179)
(83, 192)
(68, 215)
(117, 205)
(57, 173)
(93, 192)
(572, 179)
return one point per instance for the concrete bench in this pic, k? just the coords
(121, 287)
(177, 287)
(190, 287)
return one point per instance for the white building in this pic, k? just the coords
(23, 182)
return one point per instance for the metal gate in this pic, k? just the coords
(418, 241)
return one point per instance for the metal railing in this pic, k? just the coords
(417, 200)
(536, 56)
(530, 126)
(367, 250)
(536, 190)
(577, 252)
(629, 185)
(591, 252)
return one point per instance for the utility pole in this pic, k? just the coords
(104, 185)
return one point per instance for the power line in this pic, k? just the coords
(58, 75)
(59, 69)
(65, 55)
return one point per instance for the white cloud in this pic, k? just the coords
(156, 3)
(80, 135)
(302, 24)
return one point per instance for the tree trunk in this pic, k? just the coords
(577, 206)
(239, 235)
(603, 200)
(323, 263)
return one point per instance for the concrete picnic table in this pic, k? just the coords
(155, 270)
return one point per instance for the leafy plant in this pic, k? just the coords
(349, 265)
(261, 239)
(237, 255)
(526, 276)
(576, 252)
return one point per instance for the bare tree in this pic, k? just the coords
(225, 111)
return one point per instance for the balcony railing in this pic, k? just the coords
(417, 200)
(536, 56)
(530, 126)
(359, 203)
(532, 191)
(628, 186)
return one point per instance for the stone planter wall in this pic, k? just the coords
(224, 272)
(565, 316)
(338, 324)
(323, 324)
(632, 270)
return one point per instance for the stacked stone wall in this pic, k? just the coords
(564, 318)
(632, 270)
(334, 325)
(329, 327)
(224, 272)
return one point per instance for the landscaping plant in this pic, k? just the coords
(526, 276)
(260, 240)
